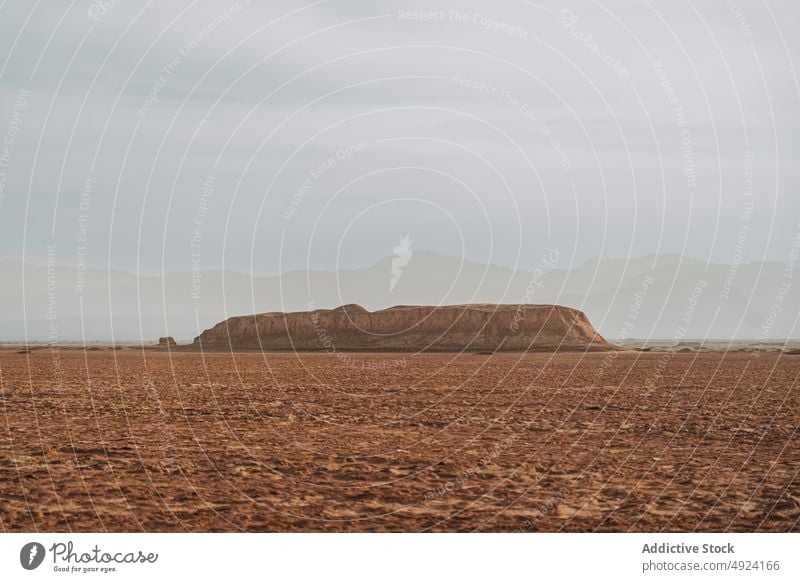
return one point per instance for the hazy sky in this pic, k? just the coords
(180, 134)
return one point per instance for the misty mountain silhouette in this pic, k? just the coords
(647, 297)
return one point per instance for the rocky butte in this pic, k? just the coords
(474, 327)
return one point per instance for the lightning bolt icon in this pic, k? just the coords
(32, 554)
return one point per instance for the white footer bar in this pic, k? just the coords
(402, 557)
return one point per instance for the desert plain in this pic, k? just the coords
(156, 440)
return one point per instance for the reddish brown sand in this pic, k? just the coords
(132, 440)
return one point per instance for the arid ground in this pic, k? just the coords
(148, 440)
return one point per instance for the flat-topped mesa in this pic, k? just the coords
(475, 327)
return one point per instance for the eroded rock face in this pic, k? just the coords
(479, 327)
(166, 342)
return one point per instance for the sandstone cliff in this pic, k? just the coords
(478, 327)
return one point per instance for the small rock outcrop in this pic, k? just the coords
(167, 342)
(474, 327)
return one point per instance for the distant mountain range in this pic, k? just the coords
(657, 297)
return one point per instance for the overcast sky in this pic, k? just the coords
(209, 134)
